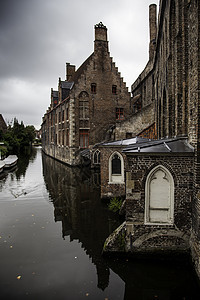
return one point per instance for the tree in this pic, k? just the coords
(17, 136)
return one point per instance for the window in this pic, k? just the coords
(83, 109)
(56, 142)
(63, 116)
(116, 168)
(84, 138)
(52, 135)
(55, 102)
(59, 137)
(67, 137)
(159, 196)
(93, 88)
(59, 117)
(116, 165)
(96, 157)
(114, 89)
(67, 113)
(63, 137)
(119, 113)
(129, 135)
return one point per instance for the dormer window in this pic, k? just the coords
(114, 90)
(93, 88)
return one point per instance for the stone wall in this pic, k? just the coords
(174, 69)
(136, 123)
(109, 190)
(95, 94)
(149, 237)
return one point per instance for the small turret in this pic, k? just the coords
(100, 37)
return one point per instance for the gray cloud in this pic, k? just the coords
(38, 37)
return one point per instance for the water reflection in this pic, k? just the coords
(52, 234)
(85, 218)
(24, 158)
(77, 204)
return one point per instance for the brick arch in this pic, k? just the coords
(170, 233)
(83, 94)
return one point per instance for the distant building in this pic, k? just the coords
(3, 125)
(86, 106)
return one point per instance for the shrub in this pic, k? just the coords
(115, 204)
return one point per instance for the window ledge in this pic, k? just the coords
(116, 182)
(159, 224)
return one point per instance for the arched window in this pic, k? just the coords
(116, 168)
(83, 105)
(116, 165)
(159, 196)
(96, 157)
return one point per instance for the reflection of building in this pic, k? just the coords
(77, 205)
(87, 104)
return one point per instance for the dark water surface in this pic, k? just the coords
(52, 229)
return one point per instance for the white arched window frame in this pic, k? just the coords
(97, 157)
(118, 177)
(159, 197)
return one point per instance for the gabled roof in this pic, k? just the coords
(81, 69)
(67, 85)
(173, 145)
(55, 94)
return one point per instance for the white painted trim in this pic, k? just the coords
(98, 153)
(147, 196)
(111, 177)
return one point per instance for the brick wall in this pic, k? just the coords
(109, 190)
(157, 237)
(100, 104)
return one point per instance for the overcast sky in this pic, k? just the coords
(38, 37)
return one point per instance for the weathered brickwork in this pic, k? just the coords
(172, 78)
(109, 190)
(138, 122)
(149, 132)
(87, 105)
(140, 165)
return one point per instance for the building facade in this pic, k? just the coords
(87, 104)
(163, 180)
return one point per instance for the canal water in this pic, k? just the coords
(52, 229)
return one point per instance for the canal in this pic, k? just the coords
(52, 229)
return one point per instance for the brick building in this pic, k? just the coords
(3, 125)
(163, 176)
(87, 104)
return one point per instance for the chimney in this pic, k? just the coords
(100, 37)
(51, 97)
(152, 29)
(70, 71)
